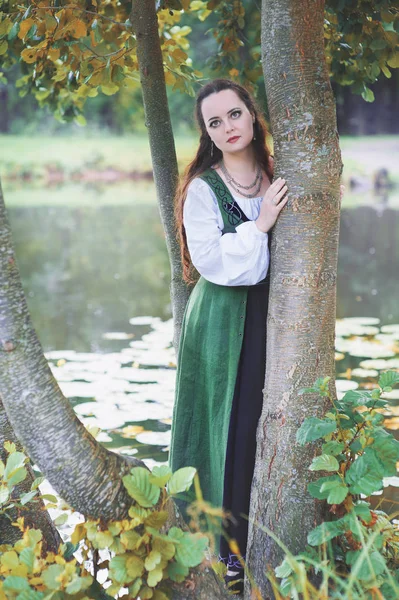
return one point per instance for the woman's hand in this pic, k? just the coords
(272, 204)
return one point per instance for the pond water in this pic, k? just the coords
(96, 277)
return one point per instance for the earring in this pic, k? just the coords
(212, 149)
(254, 138)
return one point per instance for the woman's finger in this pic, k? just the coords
(282, 203)
(276, 199)
(278, 183)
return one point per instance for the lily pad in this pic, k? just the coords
(117, 335)
(154, 438)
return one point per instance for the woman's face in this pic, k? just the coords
(228, 121)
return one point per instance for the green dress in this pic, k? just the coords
(213, 327)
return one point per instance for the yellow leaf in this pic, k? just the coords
(78, 534)
(29, 55)
(9, 560)
(3, 46)
(77, 28)
(53, 55)
(169, 78)
(51, 23)
(24, 27)
(5, 26)
(234, 72)
(109, 89)
(179, 55)
(392, 62)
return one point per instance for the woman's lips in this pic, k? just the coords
(233, 139)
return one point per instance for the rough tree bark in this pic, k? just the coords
(34, 514)
(82, 471)
(301, 318)
(163, 154)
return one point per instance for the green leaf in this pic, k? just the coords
(324, 462)
(362, 510)
(388, 379)
(191, 549)
(352, 556)
(140, 488)
(164, 547)
(17, 476)
(154, 576)
(61, 520)
(384, 451)
(4, 495)
(181, 480)
(50, 498)
(283, 570)
(368, 95)
(377, 566)
(51, 576)
(160, 475)
(285, 586)
(363, 476)
(12, 34)
(30, 595)
(118, 570)
(15, 584)
(15, 461)
(334, 448)
(326, 531)
(27, 557)
(152, 560)
(25, 498)
(313, 429)
(38, 481)
(314, 488)
(134, 566)
(177, 572)
(356, 397)
(337, 491)
(69, 550)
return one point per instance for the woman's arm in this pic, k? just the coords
(240, 258)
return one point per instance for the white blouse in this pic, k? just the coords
(240, 258)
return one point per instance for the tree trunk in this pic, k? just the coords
(35, 514)
(82, 471)
(301, 318)
(163, 153)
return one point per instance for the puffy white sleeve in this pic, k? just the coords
(240, 258)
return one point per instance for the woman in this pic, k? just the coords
(225, 208)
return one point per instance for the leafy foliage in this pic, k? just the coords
(360, 454)
(142, 555)
(72, 51)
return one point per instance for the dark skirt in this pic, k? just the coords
(245, 413)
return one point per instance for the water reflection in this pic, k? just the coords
(97, 281)
(87, 270)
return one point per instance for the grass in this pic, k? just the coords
(124, 152)
(362, 157)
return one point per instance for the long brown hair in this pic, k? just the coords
(204, 159)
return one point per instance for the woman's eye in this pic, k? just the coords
(214, 124)
(236, 114)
